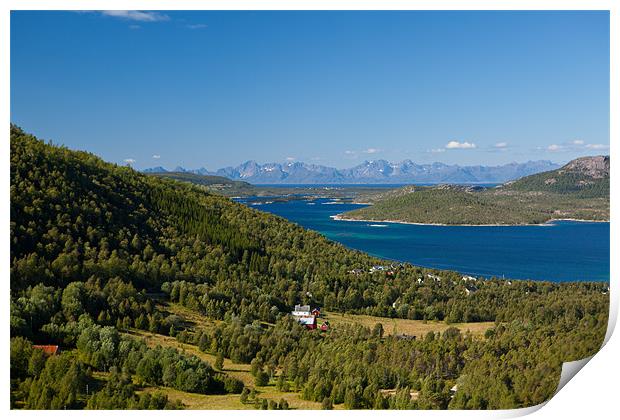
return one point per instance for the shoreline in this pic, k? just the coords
(547, 223)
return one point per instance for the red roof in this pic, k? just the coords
(47, 349)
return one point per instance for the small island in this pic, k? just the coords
(578, 191)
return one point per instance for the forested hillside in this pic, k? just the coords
(97, 249)
(578, 190)
(586, 177)
(212, 183)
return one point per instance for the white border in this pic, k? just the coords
(595, 390)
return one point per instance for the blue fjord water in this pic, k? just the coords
(559, 251)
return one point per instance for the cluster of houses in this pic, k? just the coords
(434, 277)
(389, 270)
(308, 318)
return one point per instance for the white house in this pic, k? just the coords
(301, 310)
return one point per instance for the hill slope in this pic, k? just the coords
(214, 183)
(99, 251)
(586, 177)
(578, 190)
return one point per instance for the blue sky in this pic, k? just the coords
(212, 89)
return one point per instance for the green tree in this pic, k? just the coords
(219, 361)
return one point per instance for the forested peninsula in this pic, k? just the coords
(137, 292)
(578, 190)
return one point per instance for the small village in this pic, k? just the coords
(391, 270)
(308, 318)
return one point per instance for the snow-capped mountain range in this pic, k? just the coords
(371, 172)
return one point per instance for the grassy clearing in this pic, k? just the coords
(231, 401)
(406, 326)
(237, 370)
(240, 371)
(192, 319)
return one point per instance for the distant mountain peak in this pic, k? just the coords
(156, 169)
(372, 171)
(592, 166)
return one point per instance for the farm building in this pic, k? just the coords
(308, 321)
(302, 314)
(301, 310)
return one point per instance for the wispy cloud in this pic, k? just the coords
(135, 27)
(196, 26)
(597, 146)
(501, 145)
(156, 157)
(136, 15)
(440, 150)
(290, 159)
(457, 145)
(575, 146)
(369, 151)
(129, 161)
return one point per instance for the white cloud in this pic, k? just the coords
(576, 146)
(290, 159)
(440, 150)
(355, 153)
(196, 26)
(156, 157)
(456, 145)
(501, 145)
(597, 146)
(136, 15)
(130, 161)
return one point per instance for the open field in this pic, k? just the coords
(237, 370)
(406, 326)
(193, 320)
(232, 402)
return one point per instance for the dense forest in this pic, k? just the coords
(96, 249)
(578, 190)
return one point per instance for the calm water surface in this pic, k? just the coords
(562, 251)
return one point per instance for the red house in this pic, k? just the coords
(49, 350)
